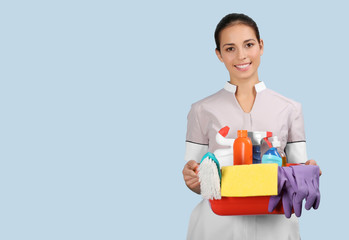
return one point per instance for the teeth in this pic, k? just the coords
(242, 66)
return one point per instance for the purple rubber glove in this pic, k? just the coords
(286, 191)
(307, 181)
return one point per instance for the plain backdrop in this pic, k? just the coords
(94, 97)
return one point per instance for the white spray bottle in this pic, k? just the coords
(256, 137)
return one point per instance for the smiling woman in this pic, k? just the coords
(240, 52)
(243, 103)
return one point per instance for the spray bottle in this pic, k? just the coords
(256, 137)
(276, 144)
(272, 155)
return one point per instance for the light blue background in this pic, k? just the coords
(94, 97)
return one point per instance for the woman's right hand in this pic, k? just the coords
(190, 175)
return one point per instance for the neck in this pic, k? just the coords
(245, 87)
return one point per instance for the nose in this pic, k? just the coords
(242, 53)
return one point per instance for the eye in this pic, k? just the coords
(229, 49)
(248, 45)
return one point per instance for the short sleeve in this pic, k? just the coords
(195, 133)
(196, 139)
(296, 130)
(296, 144)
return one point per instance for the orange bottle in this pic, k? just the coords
(242, 149)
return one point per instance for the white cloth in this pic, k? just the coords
(271, 112)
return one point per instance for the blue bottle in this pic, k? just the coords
(272, 155)
(256, 154)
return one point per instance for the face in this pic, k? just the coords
(240, 52)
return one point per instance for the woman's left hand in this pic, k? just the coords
(312, 162)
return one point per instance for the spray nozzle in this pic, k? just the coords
(275, 141)
(269, 134)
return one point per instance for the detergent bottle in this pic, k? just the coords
(242, 148)
(256, 137)
(272, 155)
(224, 155)
(276, 144)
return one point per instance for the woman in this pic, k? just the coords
(243, 103)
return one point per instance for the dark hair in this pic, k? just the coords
(231, 19)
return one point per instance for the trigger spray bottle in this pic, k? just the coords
(256, 138)
(272, 155)
(276, 144)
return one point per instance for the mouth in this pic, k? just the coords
(243, 67)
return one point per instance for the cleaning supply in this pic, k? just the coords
(296, 183)
(272, 155)
(225, 156)
(243, 206)
(242, 148)
(210, 177)
(276, 144)
(307, 185)
(249, 180)
(284, 159)
(244, 189)
(256, 137)
(286, 191)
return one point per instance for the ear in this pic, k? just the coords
(261, 45)
(218, 53)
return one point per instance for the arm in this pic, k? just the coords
(296, 145)
(195, 148)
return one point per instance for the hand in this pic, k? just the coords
(312, 162)
(190, 175)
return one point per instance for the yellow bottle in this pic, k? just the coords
(283, 157)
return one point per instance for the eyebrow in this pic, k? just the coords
(231, 44)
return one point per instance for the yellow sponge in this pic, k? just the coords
(249, 180)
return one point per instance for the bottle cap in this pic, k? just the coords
(275, 142)
(242, 133)
(224, 131)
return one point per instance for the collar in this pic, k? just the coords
(232, 88)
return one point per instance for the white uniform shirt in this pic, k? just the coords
(271, 112)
